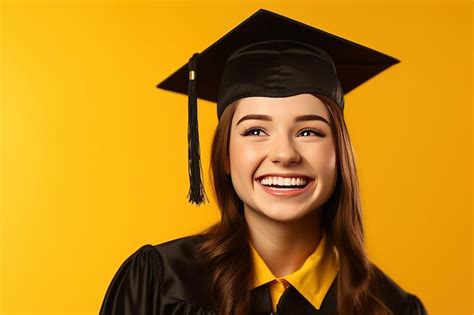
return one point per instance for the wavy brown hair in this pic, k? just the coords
(226, 249)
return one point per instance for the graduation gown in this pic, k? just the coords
(168, 279)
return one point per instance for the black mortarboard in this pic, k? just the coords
(269, 55)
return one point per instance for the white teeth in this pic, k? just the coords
(283, 181)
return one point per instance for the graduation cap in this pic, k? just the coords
(274, 56)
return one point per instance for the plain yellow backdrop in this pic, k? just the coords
(94, 157)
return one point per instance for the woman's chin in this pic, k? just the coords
(283, 214)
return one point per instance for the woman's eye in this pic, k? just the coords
(308, 132)
(253, 132)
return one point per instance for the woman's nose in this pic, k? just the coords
(284, 152)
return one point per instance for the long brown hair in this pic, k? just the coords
(226, 250)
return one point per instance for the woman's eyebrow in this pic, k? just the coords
(311, 117)
(297, 119)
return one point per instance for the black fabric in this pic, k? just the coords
(355, 63)
(278, 68)
(168, 279)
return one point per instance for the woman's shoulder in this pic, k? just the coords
(164, 259)
(398, 300)
(177, 264)
(168, 274)
(170, 256)
(181, 265)
(182, 248)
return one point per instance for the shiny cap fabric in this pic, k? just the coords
(354, 63)
(278, 68)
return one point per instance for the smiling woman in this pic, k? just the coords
(290, 239)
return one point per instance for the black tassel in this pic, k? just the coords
(196, 188)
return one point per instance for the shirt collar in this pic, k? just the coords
(312, 280)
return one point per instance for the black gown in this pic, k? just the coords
(167, 279)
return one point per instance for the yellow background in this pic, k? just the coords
(94, 157)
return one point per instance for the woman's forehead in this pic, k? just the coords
(281, 107)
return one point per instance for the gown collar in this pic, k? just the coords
(312, 280)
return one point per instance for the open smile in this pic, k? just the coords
(288, 190)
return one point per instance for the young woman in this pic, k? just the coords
(290, 239)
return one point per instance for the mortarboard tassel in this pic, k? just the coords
(196, 189)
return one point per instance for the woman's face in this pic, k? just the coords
(282, 155)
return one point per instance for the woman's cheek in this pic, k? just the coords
(243, 159)
(324, 160)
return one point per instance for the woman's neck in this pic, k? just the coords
(284, 246)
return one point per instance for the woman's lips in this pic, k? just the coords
(286, 192)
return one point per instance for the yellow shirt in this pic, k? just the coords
(312, 280)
